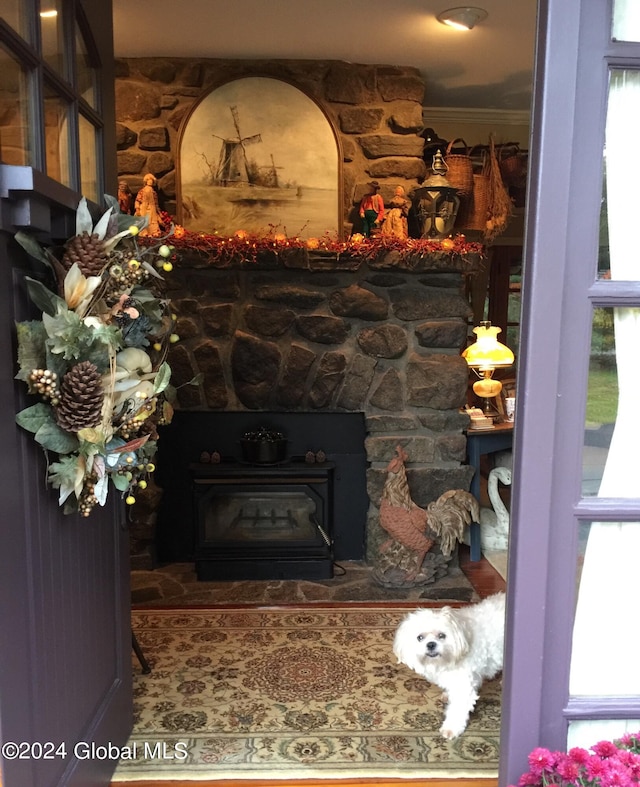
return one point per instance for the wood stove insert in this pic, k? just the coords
(263, 522)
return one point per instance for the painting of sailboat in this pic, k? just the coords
(258, 154)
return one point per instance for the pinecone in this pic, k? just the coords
(88, 251)
(81, 398)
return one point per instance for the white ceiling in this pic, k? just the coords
(487, 67)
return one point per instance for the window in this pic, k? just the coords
(49, 98)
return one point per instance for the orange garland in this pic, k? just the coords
(247, 245)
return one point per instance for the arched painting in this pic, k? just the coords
(257, 154)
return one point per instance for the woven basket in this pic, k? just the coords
(474, 209)
(513, 165)
(460, 168)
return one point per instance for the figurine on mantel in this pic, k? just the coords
(147, 205)
(395, 223)
(125, 198)
(371, 209)
(422, 542)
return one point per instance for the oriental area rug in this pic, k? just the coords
(294, 693)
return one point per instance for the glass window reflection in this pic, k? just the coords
(51, 31)
(14, 13)
(56, 131)
(85, 73)
(88, 159)
(15, 147)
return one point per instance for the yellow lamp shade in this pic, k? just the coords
(487, 352)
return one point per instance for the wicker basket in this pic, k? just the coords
(513, 165)
(474, 209)
(460, 168)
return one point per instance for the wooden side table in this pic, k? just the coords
(479, 442)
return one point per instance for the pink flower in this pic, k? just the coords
(579, 755)
(568, 769)
(605, 749)
(595, 767)
(541, 760)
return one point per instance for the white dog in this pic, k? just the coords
(456, 649)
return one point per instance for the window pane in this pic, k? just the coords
(626, 20)
(622, 171)
(53, 49)
(56, 130)
(605, 632)
(602, 402)
(85, 73)
(586, 733)
(14, 113)
(14, 14)
(88, 160)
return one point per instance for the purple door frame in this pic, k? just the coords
(560, 290)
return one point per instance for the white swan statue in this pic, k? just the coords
(494, 524)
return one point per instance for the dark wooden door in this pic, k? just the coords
(65, 635)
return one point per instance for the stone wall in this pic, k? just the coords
(309, 333)
(376, 111)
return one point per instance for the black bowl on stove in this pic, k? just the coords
(263, 447)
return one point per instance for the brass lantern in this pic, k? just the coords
(436, 202)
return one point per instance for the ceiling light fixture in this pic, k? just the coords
(462, 18)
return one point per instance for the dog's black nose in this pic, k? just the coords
(431, 645)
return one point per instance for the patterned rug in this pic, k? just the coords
(292, 693)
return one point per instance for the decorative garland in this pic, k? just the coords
(220, 249)
(96, 358)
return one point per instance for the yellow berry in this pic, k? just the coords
(134, 264)
(142, 484)
(130, 500)
(167, 266)
(174, 338)
(157, 346)
(133, 230)
(151, 467)
(164, 251)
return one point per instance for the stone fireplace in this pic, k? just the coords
(301, 335)
(302, 332)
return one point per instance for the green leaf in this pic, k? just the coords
(63, 473)
(53, 438)
(111, 202)
(35, 417)
(32, 247)
(162, 378)
(32, 353)
(44, 299)
(120, 482)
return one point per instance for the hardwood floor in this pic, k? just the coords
(485, 580)
(482, 575)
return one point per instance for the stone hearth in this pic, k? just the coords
(314, 333)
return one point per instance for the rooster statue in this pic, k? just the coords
(414, 530)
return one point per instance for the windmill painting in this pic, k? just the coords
(257, 154)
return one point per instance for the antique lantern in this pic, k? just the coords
(436, 202)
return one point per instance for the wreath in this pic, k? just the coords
(97, 357)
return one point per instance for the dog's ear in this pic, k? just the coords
(456, 634)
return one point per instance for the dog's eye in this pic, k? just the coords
(442, 635)
(420, 637)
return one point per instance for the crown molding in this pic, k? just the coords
(513, 117)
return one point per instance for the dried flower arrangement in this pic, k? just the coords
(96, 358)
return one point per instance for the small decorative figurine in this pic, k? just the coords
(147, 205)
(371, 209)
(395, 224)
(125, 197)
